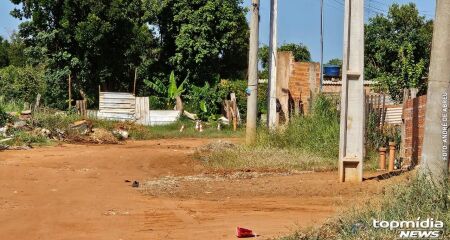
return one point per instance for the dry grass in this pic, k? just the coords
(418, 197)
(227, 156)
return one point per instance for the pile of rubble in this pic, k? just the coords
(80, 132)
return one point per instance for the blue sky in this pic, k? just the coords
(298, 21)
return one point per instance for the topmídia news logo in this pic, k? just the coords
(415, 229)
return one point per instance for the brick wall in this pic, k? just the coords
(336, 88)
(414, 120)
(304, 82)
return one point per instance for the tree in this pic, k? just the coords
(16, 51)
(398, 49)
(201, 39)
(335, 61)
(4, 46)
(97, 42)
(301, 54)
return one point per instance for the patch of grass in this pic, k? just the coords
(22, 138)
(371, 161)
(307, 143)
(54, 120)
(242, 158)
(11, 106)
(209, 131)
(61, 121)
(416, 198)
(316, 133)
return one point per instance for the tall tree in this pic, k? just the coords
(95, 41)
(301, 54)
(16, 51)
(398, 49)
(4, 47)
(201, 39)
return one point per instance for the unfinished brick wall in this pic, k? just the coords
(336, 88)
(414, 120)
(304, 82)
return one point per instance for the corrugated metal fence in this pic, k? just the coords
(117, 106)
(126, 107)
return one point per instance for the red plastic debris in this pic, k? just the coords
(244, 233)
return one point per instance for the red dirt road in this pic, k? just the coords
(79, 192)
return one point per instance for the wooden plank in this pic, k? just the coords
(92, 114)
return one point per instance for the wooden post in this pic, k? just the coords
(135, 79)
(383, 112)
(81, 106)
(235, 107)
(227, 110)
(36, 104)
(70, 91)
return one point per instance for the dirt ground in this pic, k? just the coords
(83, 192)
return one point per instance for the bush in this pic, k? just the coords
(317, 133)
(28, 138)
(214, 95)
(3, 117)
(204, 101)
(21, 83)
(377, 137)
(54, 121)
(239, 87)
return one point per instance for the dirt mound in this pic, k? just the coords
(100, 135)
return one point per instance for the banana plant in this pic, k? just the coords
(171, 93)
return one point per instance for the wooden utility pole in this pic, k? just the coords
(272, 99)
(351, 142)
(70, 91)
(252, 88)
(435, 143)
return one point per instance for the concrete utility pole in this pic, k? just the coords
(351, 142)
(435, 142)
(252, 99)
(272, 99)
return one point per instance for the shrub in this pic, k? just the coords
(239, 87)
(21, 83)
(205, 101)
(3, 117)
(55, 120)
(28, 138)
(317, 133)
